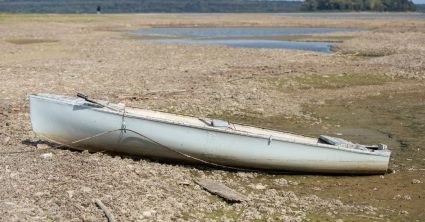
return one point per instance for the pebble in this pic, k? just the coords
(35, 140)
(42, 146)
(86, 189)
(404, 212)
(260, 186)
(47, 155)
(257, 186)
(293, 183)
(6, 140)
(70, 193)
(416, 181)
(149, 213)
(280, 182)
(184, 182)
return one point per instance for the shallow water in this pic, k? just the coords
(256, 43)
(237, 37)
(239, 32)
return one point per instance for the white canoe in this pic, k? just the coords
(65, 120)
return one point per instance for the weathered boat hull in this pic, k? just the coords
(161, 135)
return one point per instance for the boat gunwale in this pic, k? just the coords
(383, 153)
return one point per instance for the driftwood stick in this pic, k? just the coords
(220, 190)
(108, 213)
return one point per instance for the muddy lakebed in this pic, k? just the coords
(241, 37)
(371, 90)
(366, 120)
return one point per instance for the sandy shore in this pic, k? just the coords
(375, 78)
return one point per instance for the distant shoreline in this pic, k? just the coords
(166, 6)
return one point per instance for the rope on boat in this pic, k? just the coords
(123, 129)
(60, 144)
(187, 155)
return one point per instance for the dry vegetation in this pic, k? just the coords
(373, 81)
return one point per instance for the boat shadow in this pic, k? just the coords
(180, 163)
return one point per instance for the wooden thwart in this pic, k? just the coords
(220, 190)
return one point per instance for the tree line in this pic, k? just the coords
(359, 5)
(130, 6)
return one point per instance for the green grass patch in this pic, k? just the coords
(220, 213)
(401, 116)
(327, 81)
(341, 81)
(365, 51)
(375, 53)
(321, 216)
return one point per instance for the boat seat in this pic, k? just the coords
(334, 141)
(215, 122)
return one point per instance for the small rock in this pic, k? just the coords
(280, 182)
(404, 212)
(86, 189)
(407, 197)
(382, 177)
(149, 213)
(339, 220)
(416, 181)
(184, 182)
(35, 141)
(260, 186)
(293, 183)
(47, 155)
(42, 146)
(375, 189)
(70, 193)
(257, 186)
(381, 216)
(259, 110)
(38, 194)
(6, 140)
(317, 188)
